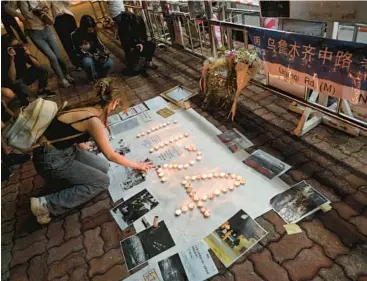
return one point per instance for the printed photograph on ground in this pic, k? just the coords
(297, 202)
(266, 164)
(133, 208)
(146, 244)
(234, 140)
(172, 269)
(235, 237)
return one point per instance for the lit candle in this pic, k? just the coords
(211, 196)
(186, 134)
(171, 140)
(151, 150)
(207, 214)
(231, 188)
(138, 135)
(184, 182)
(186, 166)
(200, 204)
(192, 162)
(142, 134)
(222, 175)
(216, 175)
(175, 122)
(243, 181)
(166, 143)
(193, 148)
(192, 194)
(210, 175)
(233, 176)
(170, 166)
(187, 185)
(217, 192)
(159, 170)
(196, 198)
(224, 190)
(199, 153)
(191, 206)
(178, 212)
(198, 177)
(161, 175)
(168, 123)
(161, 145)
(237, 183)
(184, 209)
(205, 197)
(156, 147)
(175, 166)
(148, 132)
(176, 138)
(163, 179)
(180, 137)
(189, 190)
(239, 178)
(187, 147)
(165, 166)
(203, 210)
(199, 158)
(187, 178)
(193, 178)
(204, 176)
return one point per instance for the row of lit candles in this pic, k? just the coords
(154, 129)
(169, 142)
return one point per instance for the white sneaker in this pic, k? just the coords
(69, 78)
(65, 83)
(40, 210)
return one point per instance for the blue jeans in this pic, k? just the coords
(96, 70)
(84, 174)
(45, 41)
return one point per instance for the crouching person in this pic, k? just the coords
(66, 161)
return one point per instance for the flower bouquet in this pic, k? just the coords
(225, 77)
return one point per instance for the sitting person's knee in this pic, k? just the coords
(88, 62)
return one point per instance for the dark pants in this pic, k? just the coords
(10, 22)
(64, 25)
(33, 74)
(132, 55)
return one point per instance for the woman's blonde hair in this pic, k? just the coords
(106, 90)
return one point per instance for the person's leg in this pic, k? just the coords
(85, 182)
(39, 39)
(88, 65)
(64, 25)
(103, 69)
(148, 50)
(39, 74)
(21, 90)
(91, 159)
(17, 28)
(7, 22)
(54, 45)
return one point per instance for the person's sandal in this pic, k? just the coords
(40, 210)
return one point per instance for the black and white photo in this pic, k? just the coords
(266, 164)
(146, 244)
(172, 269)
(133, 208)
(297, 202)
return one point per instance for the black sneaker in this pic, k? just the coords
(5, 172)
(46, 93)
(16, 158)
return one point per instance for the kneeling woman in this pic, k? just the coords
(84, 173)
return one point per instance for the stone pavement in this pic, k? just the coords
(84, 245)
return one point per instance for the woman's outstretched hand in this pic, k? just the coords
(144, 166)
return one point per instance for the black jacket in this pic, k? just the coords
(132, 31)
(79, 36)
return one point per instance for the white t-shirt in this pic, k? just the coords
(115, 7)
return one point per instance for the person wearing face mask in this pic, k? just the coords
(67, 161)
(93, 54)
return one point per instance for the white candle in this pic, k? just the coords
(159, 170)
(171, 140)
(180, 167)
(204, 176)
(175, 122)
(199, 153)
(207, 214)
(161, 175)
(211, 196)
(138, 135)
(175, 166)
(178, 212)
(203, 210)
(165, 166)
(170, 166)
(186, 134)
(196, 198)
(163, 179)
(187, 147)
(224, 190)
(243, 181)
(239, 178)
(216, 175)
(192, 162)
(186, 166)
(199, 158)
(187, 178)
(237, 183)
(168, 123)
(210, 175)
(193, 178)
(184, 209)
(217, 192)
(161, 145)
(166, 143)
(205, 197)
(200, 204)
(189, 189)
(176, 138)
(156, 147)
(148, 132)
(191, 206)
(151, 150)
(184, 182)
(180, 137)
(222, 175)
(231, 188)
(142, 134)
(233, 176)
(193, 148)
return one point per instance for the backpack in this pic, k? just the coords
(30, 124)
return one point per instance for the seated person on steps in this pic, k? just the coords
(84, 173)
(94, 56)
(134, 40)
(21, 69)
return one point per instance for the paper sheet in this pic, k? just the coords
(156, 103)
(133, 111)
